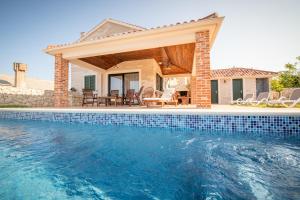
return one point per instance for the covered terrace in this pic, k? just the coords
(182, 49)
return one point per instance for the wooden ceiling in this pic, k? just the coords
(177, 59)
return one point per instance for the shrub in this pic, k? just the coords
(276, 85)
(291, 77)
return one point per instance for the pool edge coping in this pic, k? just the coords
(237, 112)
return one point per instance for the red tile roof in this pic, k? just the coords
(211, 16)
(240, 72)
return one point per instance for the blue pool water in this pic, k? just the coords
(44, 160)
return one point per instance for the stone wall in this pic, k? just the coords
(75, 99)
(33, 98)
(26, 97)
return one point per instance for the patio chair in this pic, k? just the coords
(147, 93)
(88, 97)
(168, 96)
(288, 102)
(129, 97)
(262, 97)
(158, 93)
(138, 95)
(114, 93)
(114, 97)
(245, 100)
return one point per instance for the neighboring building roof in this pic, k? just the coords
(135, 29)
(240, 72)
(31, 83)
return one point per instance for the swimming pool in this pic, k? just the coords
(47, 160)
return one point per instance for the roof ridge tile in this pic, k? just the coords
(213, 15)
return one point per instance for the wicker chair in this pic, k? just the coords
(147, 93)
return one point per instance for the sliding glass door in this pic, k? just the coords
(116, 83)
(131, 81)
(123, 82)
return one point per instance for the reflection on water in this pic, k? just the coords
(43, 160)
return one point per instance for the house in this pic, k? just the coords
(30, 83)
(233, 83)
(118, 56)
(228, 84)
(20, 80)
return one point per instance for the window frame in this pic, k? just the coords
(159, 82)
(95, 82)
(123, 81)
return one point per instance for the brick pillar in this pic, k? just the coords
(200, 81)
(193, 89)
(61, 81)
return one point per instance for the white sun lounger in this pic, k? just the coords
(291, 102)
(262, 97)
(246, 100)
(167, 97)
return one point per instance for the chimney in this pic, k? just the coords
(20, 70)
(82, 34)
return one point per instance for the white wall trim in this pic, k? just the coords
(152, 38)
(86, 65)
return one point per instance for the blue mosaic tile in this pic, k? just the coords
(283, 125)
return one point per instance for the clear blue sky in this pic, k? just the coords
(257, 33)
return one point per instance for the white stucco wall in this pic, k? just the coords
(147, 69)
(225, 88)
(181, 83)
(77, 78)
(225, 91)
(147, 74)
(249, 86)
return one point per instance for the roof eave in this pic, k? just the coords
(234, 77)
(216, 22)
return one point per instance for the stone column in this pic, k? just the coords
(20, 71)
(61, 81)
(200, 80)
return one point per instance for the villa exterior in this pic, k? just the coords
(231, 84)
(118, 55)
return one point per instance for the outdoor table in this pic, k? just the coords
(107, 99)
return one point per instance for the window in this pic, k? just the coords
(159, 82)
(90, 82)
(131, 81)
(123, 82)
(262, 85)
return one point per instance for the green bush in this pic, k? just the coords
(12, 106)
(291, 77)
(276, 85)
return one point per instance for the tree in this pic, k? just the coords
(276, 85)
(291, 77)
